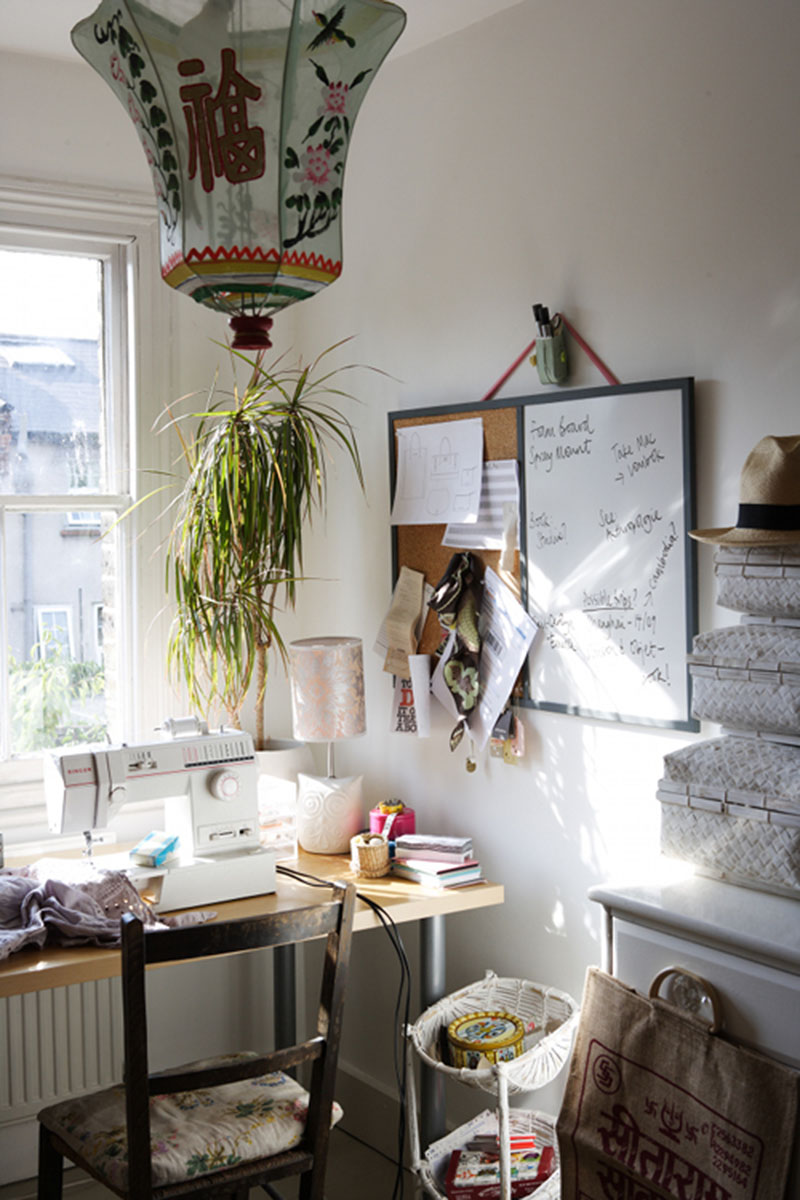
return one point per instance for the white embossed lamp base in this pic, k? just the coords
(330, 812)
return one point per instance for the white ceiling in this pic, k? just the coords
(42, 26)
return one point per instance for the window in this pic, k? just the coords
(62, 380)
(76, 303)
(97, 626)
(53, 631)
(84, 520)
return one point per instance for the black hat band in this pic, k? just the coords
(769, 516)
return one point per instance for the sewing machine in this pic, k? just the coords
(209, 785)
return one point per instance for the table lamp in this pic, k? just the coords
(327, 678)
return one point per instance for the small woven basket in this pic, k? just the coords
(369, 855)
(549, 1015)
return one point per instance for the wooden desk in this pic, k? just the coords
(32, 969)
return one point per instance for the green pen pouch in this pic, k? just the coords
(551, 355)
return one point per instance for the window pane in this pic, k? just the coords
(51, 373)
(54, 631)
(60, 597)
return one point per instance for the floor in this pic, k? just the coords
(355, 1172)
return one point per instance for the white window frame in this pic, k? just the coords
(126, 227)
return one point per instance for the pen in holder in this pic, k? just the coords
(551, 353)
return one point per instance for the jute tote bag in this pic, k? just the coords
(659, 1107)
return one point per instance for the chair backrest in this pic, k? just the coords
(142, 947)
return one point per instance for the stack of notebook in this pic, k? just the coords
(439, 862)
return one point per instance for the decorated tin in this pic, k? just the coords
(481, 1038)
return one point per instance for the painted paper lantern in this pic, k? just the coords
(245, 110)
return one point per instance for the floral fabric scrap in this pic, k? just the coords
(456, 600)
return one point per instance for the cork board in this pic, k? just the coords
(420, 546)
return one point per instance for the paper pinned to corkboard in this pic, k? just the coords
(399, 634)
(421, 547)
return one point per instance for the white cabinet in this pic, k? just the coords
(745, 943)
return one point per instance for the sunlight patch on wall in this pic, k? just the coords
(622, 768)
(558, 921)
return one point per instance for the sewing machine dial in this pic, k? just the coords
(224, 785)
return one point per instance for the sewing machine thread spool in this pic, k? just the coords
(369, 855)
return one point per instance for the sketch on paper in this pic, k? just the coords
(439, 468)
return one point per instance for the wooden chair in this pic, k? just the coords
(219, 1126)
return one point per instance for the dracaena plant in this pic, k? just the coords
(257, 473)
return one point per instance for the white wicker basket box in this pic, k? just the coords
(748, 677)
(724, 840)
(737, 770)
(761, 580)
(731, 806)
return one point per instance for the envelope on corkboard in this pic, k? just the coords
(399, 634)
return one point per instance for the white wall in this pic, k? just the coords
(636, 166)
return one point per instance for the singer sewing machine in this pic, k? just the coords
(209, 785)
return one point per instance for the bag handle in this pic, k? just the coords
(699, 984)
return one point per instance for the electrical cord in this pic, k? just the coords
(401, 1021)
(401, 1011)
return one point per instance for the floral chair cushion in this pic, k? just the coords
(192, 1133)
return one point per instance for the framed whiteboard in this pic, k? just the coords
(608, 568)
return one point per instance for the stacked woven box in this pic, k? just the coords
(731, 805)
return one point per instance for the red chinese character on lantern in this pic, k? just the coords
(220, 140)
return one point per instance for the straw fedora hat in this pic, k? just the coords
(769, 498)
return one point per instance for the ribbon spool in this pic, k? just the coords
(369, 855)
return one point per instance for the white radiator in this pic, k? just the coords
(57, 1043)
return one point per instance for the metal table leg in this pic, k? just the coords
(432, 988)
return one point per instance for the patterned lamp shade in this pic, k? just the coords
(245, 110)
(327, 688)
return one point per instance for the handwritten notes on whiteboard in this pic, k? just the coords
(609, 573)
